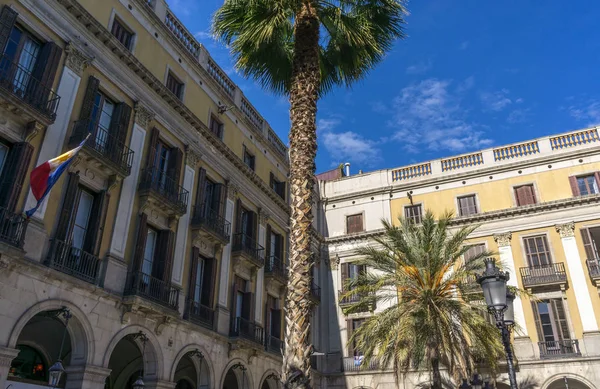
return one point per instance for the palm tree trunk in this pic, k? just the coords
(304, 93)
(437, 376)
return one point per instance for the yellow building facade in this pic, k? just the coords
(160, 253)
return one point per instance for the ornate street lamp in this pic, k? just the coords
(242, 369)
(493, 282)
(56, 371)
(139, 383)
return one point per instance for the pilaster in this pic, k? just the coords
(6, 357)
(224, 284)
(86, 377)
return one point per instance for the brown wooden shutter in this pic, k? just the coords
(223, 201)
(207, 282)
(349, 344)
(175, 162)
(247, 306)
(193, 272)
(588, 245)
(70, 205)
(13, 174)
(271, 180)
(89, 97)
(213, 281)
(93, 238)
(597, 177)
(119, 125)
(140, 243)
(538, 324)
(276, 319)
(574, 186)
(200, 188)
(254, 224)
(238, 216)
(345, 271)
(163, 258)
(44, 71)
(8, 18)
(268, 242)
(152, 146)
(560, 319)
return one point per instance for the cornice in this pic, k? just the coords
(125, 56)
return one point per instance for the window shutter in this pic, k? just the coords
(87, 106)
(200, 188)
(345, 272)
(238, 216)
(163, 259)
(597, 177)
(587, 244)
(560, 319)
(268, 242)
(247, 306)
(140, 243)
(213, 281)
(272, 180)
(223, 202)
(254, 224)
(8, 17)
(70, 205)
(574, 186)
(119, 125)
(538, 324)
(154, 136)
(175, 162)
(349, 344)
(193, 272)
(44, 71)
(234, 291)
(13, 175)
(207, 282)
(93, 238)
(276, 320)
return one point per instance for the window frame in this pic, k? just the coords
(416, 206)
(116, 18)
(548, 244)
(475, 204)
(248, 153)
(81, 192)
(535, 192)
(473, 244)
(213, 118)
(278, 186)
(177, 82)
(587, 175)
(362, 222)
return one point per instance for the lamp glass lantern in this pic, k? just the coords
(509, 314)
(55, 373)
(139, 383)
(493, 283)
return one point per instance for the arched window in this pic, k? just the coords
(29, 365)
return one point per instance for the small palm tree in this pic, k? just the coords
(302, 49)
(435, 315)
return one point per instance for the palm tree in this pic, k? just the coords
(434, 315)
(302, 49)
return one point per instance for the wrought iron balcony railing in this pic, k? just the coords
(593, 266)
(352, 299)
(243, 328)
(20, 83)
(356, 363)
(167, 188)
(275, 267)
(249, 246)
(153, 289)
(104, 144)
(274, 345)
(559, 349)
(200, 314)
(12, 228)
(206, 217)
(553, 273)
(73, 261)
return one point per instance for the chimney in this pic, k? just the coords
(347, 167)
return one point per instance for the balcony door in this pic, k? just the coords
(537, 251)
(82, 219)
(591, 242)
(552, 325)
(163, 154)
(102, 113)
(22, 50)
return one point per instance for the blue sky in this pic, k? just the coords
(466, 77)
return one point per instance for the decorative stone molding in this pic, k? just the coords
(503, 239)
(232, 191)
(334, 262)
(143, 116)
(76, 60)
(32, 129)
(192, 158)
(162, 323)
(263, 217)
(89, 373)
(566, 230)
(7, 355)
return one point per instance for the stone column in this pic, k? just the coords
(224, 284)
(6, 357)
(260, 274)
(522, 343)
(115, 270)
(53, 143)
(86, 377)
(578, 282)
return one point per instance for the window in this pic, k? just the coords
(82, 218)
(20, 56)
(122, 34)
(102, 113)
(199, 270)
(151, 240)
(525, 195)
(591, 242)
(413, 213)
(276, 243)
(175, 86)
(4, 149)
(249, 159)
(350, 271)
(587, 185)
(163, 154)
(551, 322)
(354, 325)
(29, 364)
(273, 317)
(354, 223)
(278, 186)
(212, 198)
(247, 222)
(474, 250)
(216, 127)
(537, 251)
(467, 205)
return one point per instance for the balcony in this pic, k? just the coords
(245, 330)
(356, 364)
(23, 92)
(163, 191)
(275, 270)
(315, 293)
(210, 222)
(353, 299)
(200, 314)
(152, 289)
(593, 266)
(559, 349)
(274, 345)
(12, 228)
(109, 153)
(73, 261)
(247, 248)
(544, 275)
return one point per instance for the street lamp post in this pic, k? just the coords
(56, 371)
(499, 302)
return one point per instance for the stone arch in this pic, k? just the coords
(80, 330)
(574, 377)
(268, 373)
(153, 358)
(187, 349)
(249, 381)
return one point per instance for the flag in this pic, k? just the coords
(43, 177)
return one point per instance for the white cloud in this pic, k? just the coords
(203, 35)
(588, 112)
(182, 7)
(429, 115)
(495, 101)
(328, 124)
(379, 107)
(464, 45)
(419, 68)
(350, 146)
(518, 116)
